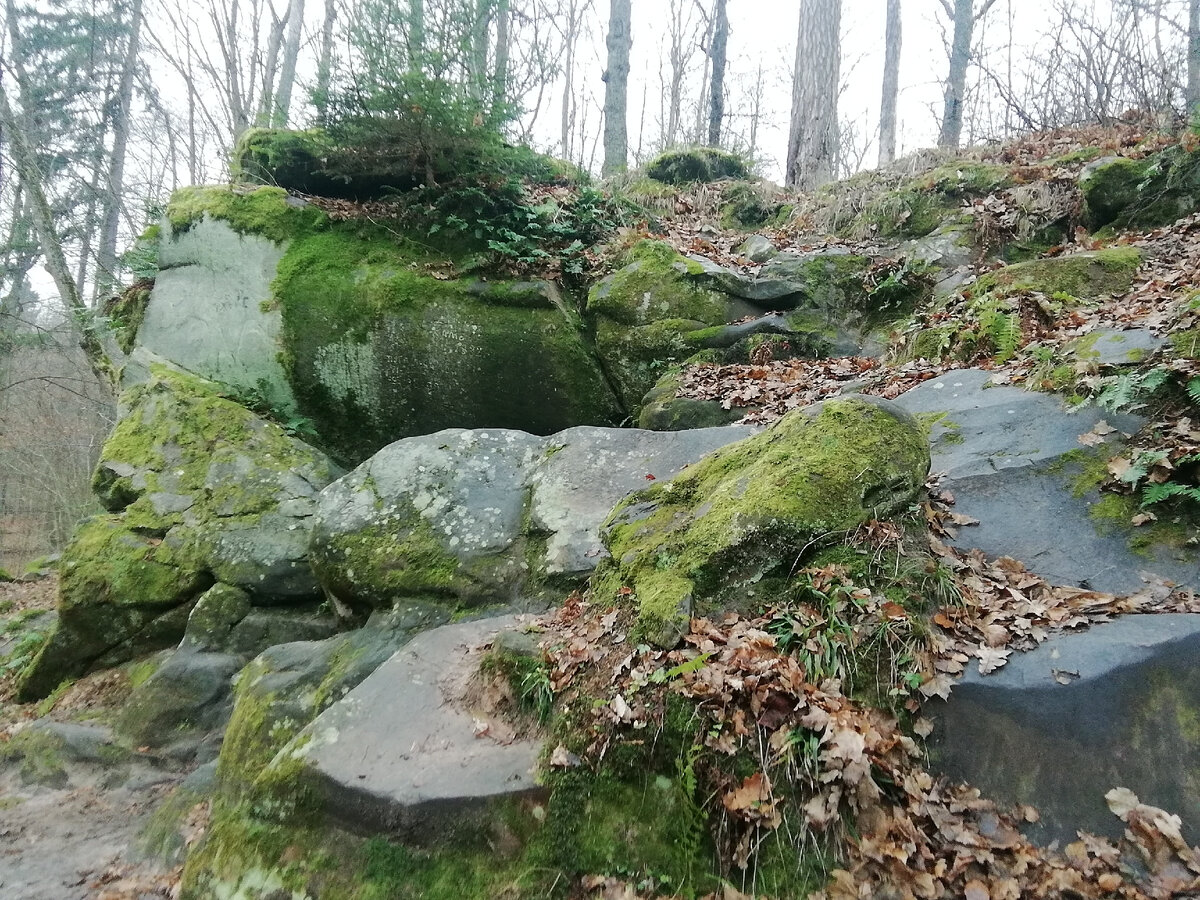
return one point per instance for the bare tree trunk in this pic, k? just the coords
(956, 82)
(287, 69)
(55, 262)
(325, 61)
(616, 87)
(570, 36)
(480, 31)
(718, 52)
(106, 265)
(1193, 79)
(699, 129)
(756, 112)
(891, 84)
(266, 106)
(965, 16)
(678, 56)
(500, 69)
(813, 136)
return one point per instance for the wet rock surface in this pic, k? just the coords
(1058, 727)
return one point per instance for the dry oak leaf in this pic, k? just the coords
(752, 801)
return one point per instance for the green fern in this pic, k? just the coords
(1002, 330)
(1129, 391)
(1193, 390)
(1157, 493)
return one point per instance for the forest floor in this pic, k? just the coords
(78, 840)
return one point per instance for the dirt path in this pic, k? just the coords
(79, 844)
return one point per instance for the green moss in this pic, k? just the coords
(1089, 276)
(39, 755)
(1143, 193)
(1083, 154)
(289, 159)
(401, 557)
(264, 211)
(655, 284)
(126, 312)
(712, 534)
(378, 349)
(966, 179)
(1187, 343)
(746, 206)
(904, 213)
(696, 164)
(139, 673)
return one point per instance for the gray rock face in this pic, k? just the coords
(1011, 458)
(486, 516)
(403, 753)
(949, 247)
(189, 692)
(1109, 347)
(1058, 727)
(206, 312)
(758, 249)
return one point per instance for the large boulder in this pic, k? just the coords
(1060, 726)
(486, 517)
(661, 309)
(649, 311)
(199, 490)
(357, 334)
(405, 754)
(728, 532)
(1141, 193)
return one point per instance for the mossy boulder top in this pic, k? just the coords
(199, 490)
(728, 531)
(1119, 192)
(468, 518)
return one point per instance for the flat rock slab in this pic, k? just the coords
(1110, 347)
(1010, 458)
(1117, 705)
(404, 753)
(510, 511)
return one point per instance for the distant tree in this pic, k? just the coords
(964, 14)
(616, 87)
(287, 68)
(813, 136)
(1193, 67)
(719, 52)
(891, 83)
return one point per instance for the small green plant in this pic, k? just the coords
(1129, 391)
(537, 693)
(47, 704)
(519, 228)
(1001, 329)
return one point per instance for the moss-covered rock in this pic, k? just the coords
(311, 162)
(696, 164)
(127, 310)
(378, 349)
(664, 410)
(1088, 276)
(199, 489)
(645, 312)
(727, 531)
(1144, 193)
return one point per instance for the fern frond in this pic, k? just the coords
(1193, 390)
(1157, 493)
